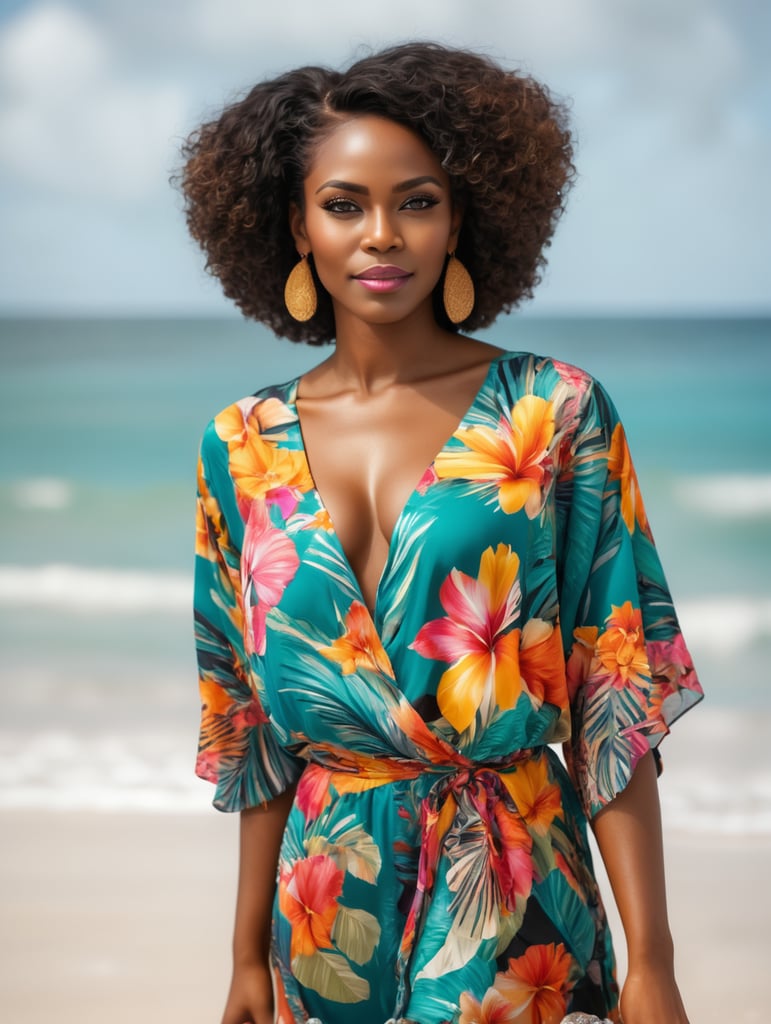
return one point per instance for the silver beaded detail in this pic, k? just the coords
(391, 1020)
(583, 1018)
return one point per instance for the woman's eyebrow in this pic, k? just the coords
(425, 179)
(344, 186)
(404, 186)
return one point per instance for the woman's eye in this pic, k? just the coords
(341, 205)
(420, 202)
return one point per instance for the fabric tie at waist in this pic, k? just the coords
(473, 831)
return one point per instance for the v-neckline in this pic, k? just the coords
(291, 402)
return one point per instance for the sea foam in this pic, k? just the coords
(51, 493)
(727, 495)
(715, 624)
(723, 625)
(75, 588)
(717, 775)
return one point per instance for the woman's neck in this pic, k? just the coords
(369, 357)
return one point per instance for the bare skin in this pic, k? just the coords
(367, 453)
(377, 411)
(250, 999)
(628, 833)
(373, 416)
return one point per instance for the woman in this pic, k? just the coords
(418, 565)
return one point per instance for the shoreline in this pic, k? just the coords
(716, 779)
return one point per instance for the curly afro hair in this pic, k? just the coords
(499, 135)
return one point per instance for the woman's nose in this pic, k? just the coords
(381, 234)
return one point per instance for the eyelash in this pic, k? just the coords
(334, 205)
(427, 200)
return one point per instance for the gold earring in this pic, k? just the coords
(458, 291)
(300, 292)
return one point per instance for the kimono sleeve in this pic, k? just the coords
(238, 750)
(629, 672)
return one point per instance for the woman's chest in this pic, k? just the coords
(366, 461)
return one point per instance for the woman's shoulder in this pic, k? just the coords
(544, 372)
(263, 411)
(575, 398)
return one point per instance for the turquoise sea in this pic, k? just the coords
(99, 427)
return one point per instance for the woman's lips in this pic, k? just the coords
(383, 278)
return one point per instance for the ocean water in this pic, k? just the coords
(99, 428)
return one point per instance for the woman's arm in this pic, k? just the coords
(628, 833)
(250, 1000)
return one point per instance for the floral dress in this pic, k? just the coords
(435, 864)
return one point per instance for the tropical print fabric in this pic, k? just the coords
(435, 864)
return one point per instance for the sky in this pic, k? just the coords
(671, 106)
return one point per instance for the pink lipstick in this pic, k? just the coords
(382, 277)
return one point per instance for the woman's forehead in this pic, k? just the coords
(371, 144)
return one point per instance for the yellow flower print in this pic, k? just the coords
(620, 468)
(476, 636)
(514, 455)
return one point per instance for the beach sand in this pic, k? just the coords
(127, 918)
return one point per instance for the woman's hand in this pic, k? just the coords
(650, 996)
(250, 1000)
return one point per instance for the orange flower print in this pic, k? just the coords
(307, 897)
(234, 424)
(208, 519)
(532, 991)
(538, 800)
(621, 648)
(541, 663)
(537, 983)
(494, 1009)
(360, 645)
(263, 471)
(230, 424)
(514, 455)
(476, 636)
(226, 721)
(620, 468)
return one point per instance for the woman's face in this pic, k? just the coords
(378, 219)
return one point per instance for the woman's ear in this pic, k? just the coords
(456, 223)
(297, 227)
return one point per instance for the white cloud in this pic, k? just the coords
(68, 122)
(50, 49)
(330, 31)
(670, 101)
